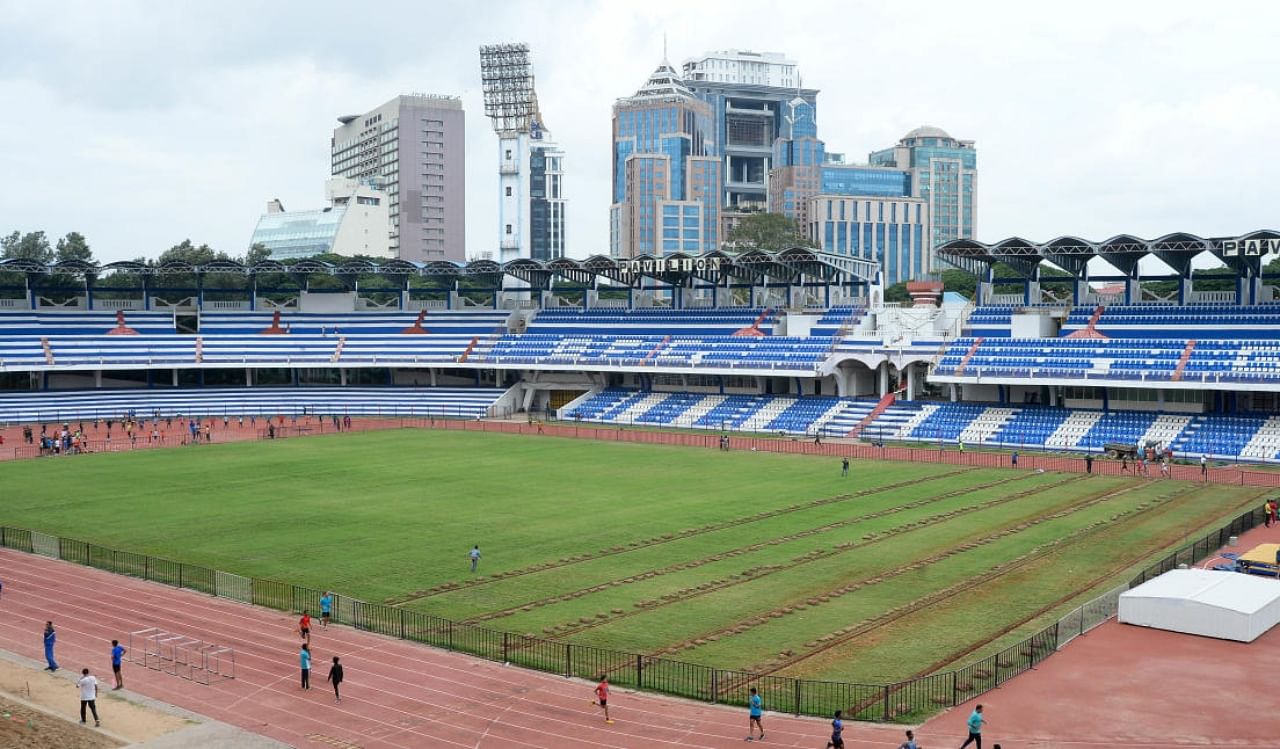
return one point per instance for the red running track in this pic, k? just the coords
(397, 695)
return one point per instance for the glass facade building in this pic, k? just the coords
(944, 173)
(664, 166)
(890, 231)
(298, 233)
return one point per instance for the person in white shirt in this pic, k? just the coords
(89, 696)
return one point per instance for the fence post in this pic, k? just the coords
(715, 686)
(639, 670)
(955, 688)
(449, 631)
(146, 568)
(1059, 624)
(180, 566)
(402, 613)
(796, 682)
(504, 648)
(568, 660)
(886, 703)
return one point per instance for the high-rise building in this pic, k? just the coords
(749, 93)
(666, 175)
(414, 145)
(531, 202)
(354, 223)
(944, 173)
(848, 209)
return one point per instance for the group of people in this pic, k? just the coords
(88, 683)
(335, 676)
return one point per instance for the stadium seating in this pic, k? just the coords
(770, 352)
(990, 321)
(748, 413)
(660, 322)
(1198, 321)
(15, 324)
(452, 322)
(1117, 358)
(88, 404)
(836, 317)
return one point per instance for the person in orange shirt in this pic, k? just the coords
(304, 626)
(602, 697)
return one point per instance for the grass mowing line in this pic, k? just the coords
(848, 634)
(757, 573)
(664, 538)
(855, 585)
(739, 551)
(1113, 572)
(1092, 582)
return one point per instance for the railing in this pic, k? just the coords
(907, 700)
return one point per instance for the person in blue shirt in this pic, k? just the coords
(757, 711)
(117, 655)
(326, 608)
(837, 732)
(474, 555)
(50, 639)
(910, 743)
(304, 660)
(975, 723)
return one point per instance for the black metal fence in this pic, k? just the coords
(908, 700)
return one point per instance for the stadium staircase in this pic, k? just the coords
(1182, 360)
(199, 349)
(969, 355)
(48, 351)
(666, 340)
(881, 406)
(337, 350)
(467, 352)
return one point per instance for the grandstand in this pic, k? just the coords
(796, 343)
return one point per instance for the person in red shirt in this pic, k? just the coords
(602, 697)
(304, 626)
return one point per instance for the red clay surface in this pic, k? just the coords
(1127, 686)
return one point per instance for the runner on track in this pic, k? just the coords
(602, 697)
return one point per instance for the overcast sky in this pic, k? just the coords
(141, 124)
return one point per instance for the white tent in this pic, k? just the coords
(1226, 605)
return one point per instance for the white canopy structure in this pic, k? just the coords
(1225, 605)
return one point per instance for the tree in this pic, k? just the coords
(766, 231)
(30, 246)
(256, 254)
(74, 247)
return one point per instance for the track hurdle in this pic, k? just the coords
(179, 655)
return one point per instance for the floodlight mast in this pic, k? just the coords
(506, 77)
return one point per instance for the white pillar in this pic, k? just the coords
(97, 378)
(248, 377)
(433, 376)
(955, 392)
(175, 378)
(342, 376)
(911, 382)
(884, 379)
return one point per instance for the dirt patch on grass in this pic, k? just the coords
(25, 727)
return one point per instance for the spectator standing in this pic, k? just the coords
(1204, 467)
(1269, 512)
(474, 554)
(117, 656)
(89, 696)
(50, 640)
(1013, 459)
(326, 608)
(1088, 462)
(844, 467)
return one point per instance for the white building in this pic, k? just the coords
(355, 222)
(531, 200)
(742, 67)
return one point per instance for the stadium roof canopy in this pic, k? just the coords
(677, 269)
(1244, 254)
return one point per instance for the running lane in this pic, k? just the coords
(397, 695)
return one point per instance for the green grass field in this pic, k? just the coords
(742, 560)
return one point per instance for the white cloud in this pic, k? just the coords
(143, 123)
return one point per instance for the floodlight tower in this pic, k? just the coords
(531, 202)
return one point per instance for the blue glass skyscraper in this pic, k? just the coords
(944, 173)
(666, 176)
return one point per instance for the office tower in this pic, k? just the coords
(414, 145)
(666, 175)
(944, 174)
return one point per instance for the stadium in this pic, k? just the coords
(728, 470)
